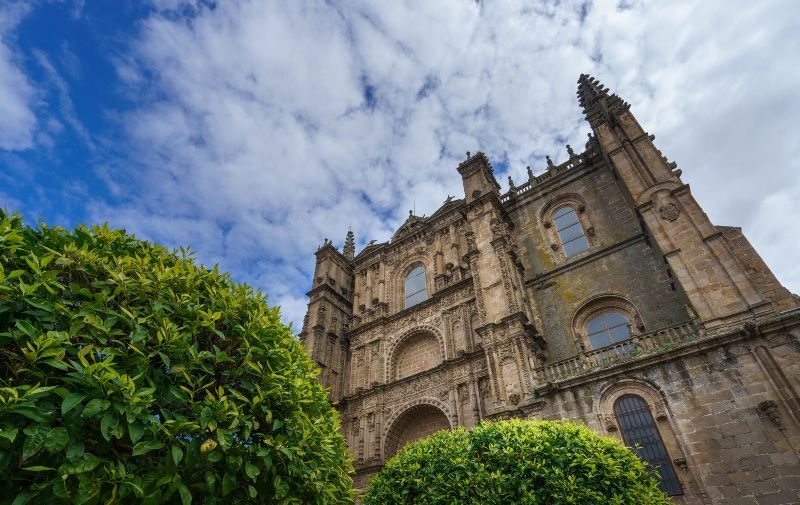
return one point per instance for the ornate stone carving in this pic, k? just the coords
(669, 211)
(463, 392)
(483, 387)
(658, 411)
(505, 353)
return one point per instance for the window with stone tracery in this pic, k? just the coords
(570, 231)
(415, 286)
(608, 328)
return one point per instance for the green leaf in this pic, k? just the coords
(9, 433)
(85, 463)
(5, 457)
(135, 431)
(228, 483)
(74, 451)
(107, 424)
(252, 471)
(34, 441)
(145, 447)
(186, 496)
(55, 363)
(56, 439)
(38, 468)
(214, 456)
(177, 454)
(26, 328)
(95, 406)
(205, 416)
(23, 498)
(30, 412)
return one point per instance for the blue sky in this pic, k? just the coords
(252, 130)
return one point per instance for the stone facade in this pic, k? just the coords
(509, 325)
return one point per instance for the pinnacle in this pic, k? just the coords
(349, 245)
(598, 105)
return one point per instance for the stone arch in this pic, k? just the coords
(606, 397)
(415, 420)
(417, 352)
(398, 276)
(593, 306)
(578, 204)
(393, 345)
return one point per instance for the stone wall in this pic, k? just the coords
(620, 260)
(416, 354)
(726, 415)
(758, 271)
(416, 423)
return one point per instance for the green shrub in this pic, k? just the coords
(516, 462)
(129, 374)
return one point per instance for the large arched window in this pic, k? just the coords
(415, 286)
(639, 431)
(608, 328)
(570, 230)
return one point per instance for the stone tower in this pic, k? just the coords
(598, 291)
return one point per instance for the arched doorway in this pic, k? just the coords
(415, 423)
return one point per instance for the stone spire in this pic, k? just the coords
(350, 245)
(598, 106)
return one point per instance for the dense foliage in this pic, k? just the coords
(516, 462)
(129, 374)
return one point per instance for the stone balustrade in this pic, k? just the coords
(637, 346)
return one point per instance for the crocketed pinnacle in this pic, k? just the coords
(598, 105)
(350, 245)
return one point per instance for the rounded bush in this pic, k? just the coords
(515, 462)
(130, 374)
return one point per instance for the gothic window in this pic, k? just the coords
(608, 328)
(639, 431)
(570, 230)
(415, 286)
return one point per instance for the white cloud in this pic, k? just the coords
(17, 94)
(263, 138)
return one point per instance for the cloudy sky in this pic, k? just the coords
(252, 130)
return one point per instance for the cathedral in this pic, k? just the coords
(598, 292)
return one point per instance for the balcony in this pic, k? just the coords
(638, 346)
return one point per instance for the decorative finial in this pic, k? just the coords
(511, 184)
(349, 245)
(571, 152)
(468, 154)
(449, 199)
(550, 165)
(410, 213)
(530, 172)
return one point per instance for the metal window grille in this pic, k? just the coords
(640, 432)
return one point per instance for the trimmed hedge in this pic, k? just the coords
(129, 374)
(516, 462)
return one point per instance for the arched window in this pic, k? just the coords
(608, 328)
(415, 286)
(570, 230)
(639, 431)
